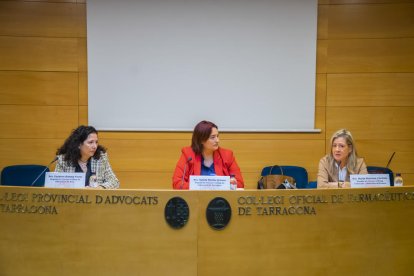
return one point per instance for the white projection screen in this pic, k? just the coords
(164, 65)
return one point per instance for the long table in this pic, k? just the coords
(272, 232)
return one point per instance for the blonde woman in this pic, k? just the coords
(336, 167)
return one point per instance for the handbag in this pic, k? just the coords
(276, 181)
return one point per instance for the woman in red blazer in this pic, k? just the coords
(205, 157)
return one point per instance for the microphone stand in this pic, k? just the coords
(185, 167)
(47, 167)
(340, 183)
(389, 161)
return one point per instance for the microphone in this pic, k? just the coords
(340, 183)
(389, 161)
(47, 167)
(185, 167)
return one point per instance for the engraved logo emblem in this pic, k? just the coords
(218, 213)
(176, 212)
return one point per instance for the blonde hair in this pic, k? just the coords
(352, 156)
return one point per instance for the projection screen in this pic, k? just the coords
(164, 65)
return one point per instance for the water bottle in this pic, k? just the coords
(233, 182)
(398, 180)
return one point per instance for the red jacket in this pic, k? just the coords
(224, 164)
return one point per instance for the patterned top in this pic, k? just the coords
(101, 167)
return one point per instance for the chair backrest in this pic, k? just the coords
(23, 175)
(298, 173)
(381, 170)
(312, 185)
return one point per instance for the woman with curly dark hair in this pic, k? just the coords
(82, 153)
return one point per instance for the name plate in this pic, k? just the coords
(211, 183)
(65, 180)
(369, 180)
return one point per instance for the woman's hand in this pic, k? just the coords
(340, 184)
(97, 187)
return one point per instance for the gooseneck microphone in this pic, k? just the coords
(389, 161)
(47, 167)
(185, 167)
(340, 183)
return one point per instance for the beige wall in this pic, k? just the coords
(365, 82)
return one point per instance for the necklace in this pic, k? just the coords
(83, 165)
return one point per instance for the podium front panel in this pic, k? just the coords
(151, 232)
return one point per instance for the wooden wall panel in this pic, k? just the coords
(370, 55)
(81, 6)
(408, 179)
(321, 56)
(37, 121)
(83, 115)
(370, 46)
(319, 124)
(129, 135)
(370, 80)
(83, 88)
(384, 123)
(322, 32)
(144, 155)
(146, 180)
(375, 89)
(404, 162)
(38, 54)
(27, 151)
(250, 179)
(252, 156)
(370, 21)
(18, 18)
(313, 175)
(320, 97)
(320, 120)
(366, 1)
(378, 152)
(38, 88)
(82, 55)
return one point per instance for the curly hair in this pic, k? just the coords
(201, 133)
(70, 149)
